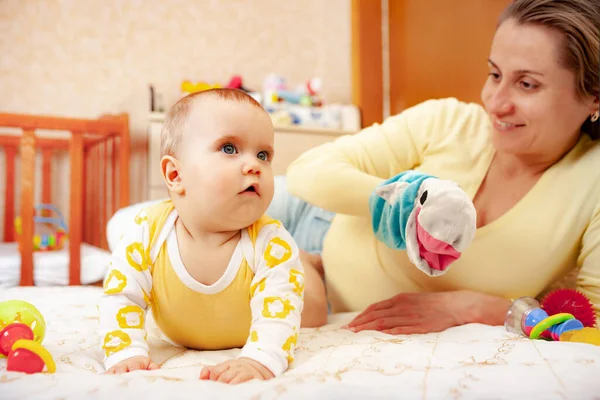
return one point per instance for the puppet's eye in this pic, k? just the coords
(423, 197)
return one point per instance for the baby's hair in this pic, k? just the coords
(177, 116)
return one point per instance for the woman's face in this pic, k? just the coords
(530, 96)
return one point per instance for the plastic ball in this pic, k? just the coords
(19, 311)
(572, 302)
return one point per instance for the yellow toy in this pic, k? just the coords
(22, 330)
(188, 87)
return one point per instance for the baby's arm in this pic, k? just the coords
(122, 309)
(277, 300)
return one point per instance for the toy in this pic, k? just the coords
(570, 301)
(236, 83)
(432, 219)
(275, 90)
(50, 233)
(549, 320)
(188, 87)
(22, 329)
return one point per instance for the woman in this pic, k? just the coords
(529, 159)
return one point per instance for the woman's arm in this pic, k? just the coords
(341, 175)
(588, 279)
(409, 313)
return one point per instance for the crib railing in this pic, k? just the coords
(98, 151)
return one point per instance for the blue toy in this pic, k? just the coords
(432, 219)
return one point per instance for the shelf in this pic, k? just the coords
(309, 130)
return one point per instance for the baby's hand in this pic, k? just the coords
(132, 364)
(236, 371)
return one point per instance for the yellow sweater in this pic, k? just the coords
(256, 304)
(552, 230)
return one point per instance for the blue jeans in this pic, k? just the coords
(306, 223)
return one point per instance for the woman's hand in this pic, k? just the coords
(409, 313)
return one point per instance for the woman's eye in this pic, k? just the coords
(495, 76)
(228, 149)
(263, 156)
(528, 85)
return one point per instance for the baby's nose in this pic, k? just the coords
(251, 168)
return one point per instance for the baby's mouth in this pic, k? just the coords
(251, 189)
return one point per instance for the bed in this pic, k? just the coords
(468, 362)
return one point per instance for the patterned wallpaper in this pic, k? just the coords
(82, 58)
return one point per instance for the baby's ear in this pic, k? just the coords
(391, 191)
(169, 167)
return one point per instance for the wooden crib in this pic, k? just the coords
(98, 151)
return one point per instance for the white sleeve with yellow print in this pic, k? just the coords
(277, 299)
(123, 306)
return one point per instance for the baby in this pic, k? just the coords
(215, 271)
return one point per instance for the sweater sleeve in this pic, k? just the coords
(277, 299)
(341, 175)
(122, 308)
(588, 279)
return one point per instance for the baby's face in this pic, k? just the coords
(225, 156)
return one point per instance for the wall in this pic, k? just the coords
(82, 58)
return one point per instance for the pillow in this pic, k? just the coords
(52, 267)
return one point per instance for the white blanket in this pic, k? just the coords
(469, 362)
(52, 267)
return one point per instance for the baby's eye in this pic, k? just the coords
(263, 156)
(228, 149)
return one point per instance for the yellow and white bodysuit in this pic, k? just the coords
(255, 305)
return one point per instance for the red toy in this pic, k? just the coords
(572, 302)
(22, 329)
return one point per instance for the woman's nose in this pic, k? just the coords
(500, 101)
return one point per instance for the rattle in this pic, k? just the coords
(22, 329)
(564, 315)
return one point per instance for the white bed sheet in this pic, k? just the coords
(469, 362)
(52, 267)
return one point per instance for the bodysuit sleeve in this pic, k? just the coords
(122, 308)
(277, 299)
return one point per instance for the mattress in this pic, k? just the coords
(468, 362)
(52, 267)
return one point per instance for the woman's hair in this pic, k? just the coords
(579, 22)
